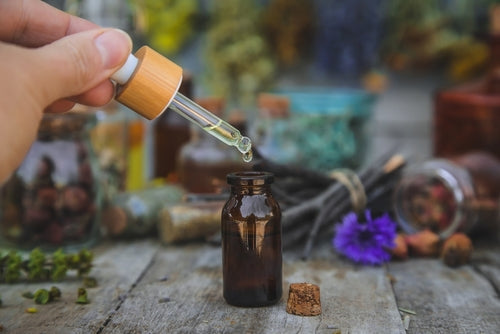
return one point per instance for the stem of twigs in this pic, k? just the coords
(319, 201)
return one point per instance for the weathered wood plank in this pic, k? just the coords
(445, 300)
(116, 267)
(486, 261)
(351, 297)
(133, 277)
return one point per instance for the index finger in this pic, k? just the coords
(34, 23)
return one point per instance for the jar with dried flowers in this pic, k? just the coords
(53, 199)
(450, 195)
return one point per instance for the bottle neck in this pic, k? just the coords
(251, 189)
(250, 182)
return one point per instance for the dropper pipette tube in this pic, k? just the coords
(152, 82)
(210, 123)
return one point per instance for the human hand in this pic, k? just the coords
(50, 60)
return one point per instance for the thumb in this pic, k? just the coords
(78, 62)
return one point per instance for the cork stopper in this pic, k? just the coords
(152, 86)
(273, 106)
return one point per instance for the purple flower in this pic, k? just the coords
(366, 242)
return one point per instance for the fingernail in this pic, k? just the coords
(114, 45)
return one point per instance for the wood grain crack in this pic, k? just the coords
(124, 296)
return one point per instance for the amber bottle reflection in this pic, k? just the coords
(251, 241)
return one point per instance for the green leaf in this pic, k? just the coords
(82, 296)
(41, 296)
(36, 270)
(54, 293)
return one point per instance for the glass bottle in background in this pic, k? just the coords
(466, 117)
(204, 161)
(270, 130)
(119, 14)
(54, 198)
(137, 161)
(119, 139)
(251, 241)
(109, 140)
(106, 13)
(170, 132)
(459, 194)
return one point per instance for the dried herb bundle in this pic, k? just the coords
(39, 267)
(312, 202)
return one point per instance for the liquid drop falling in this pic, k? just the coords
(247, 157)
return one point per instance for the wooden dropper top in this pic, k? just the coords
(147, 83)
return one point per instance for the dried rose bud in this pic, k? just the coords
(456, 250)
(37, 217)
(75, 199)
(424, 243)
(85, 174)
(400, 250)
(46, 196)
(54, 233)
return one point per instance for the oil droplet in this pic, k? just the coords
(247, 157)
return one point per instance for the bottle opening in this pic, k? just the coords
(250, 178)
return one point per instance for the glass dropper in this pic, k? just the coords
(148, 83)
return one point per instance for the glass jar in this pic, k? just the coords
(319, 129)
(109, 139)
(450, 195)
(471, 110)
(204, 161)
(271, 131)
(251, 241)
(135, 214)
(53, 198)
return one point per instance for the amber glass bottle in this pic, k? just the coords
(171, 132)
(204, 161)
(251, 241)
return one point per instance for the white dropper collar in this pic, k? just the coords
(123, 75)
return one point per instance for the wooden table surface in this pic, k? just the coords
(146, 287)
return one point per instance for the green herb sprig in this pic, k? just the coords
(41, 267)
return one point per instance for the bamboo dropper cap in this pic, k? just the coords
(152, 85)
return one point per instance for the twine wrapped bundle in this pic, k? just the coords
(312, 202)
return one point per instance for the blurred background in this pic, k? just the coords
(399, 50)
(323, 84)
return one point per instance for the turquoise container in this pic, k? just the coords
(326, 129)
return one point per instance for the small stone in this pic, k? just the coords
(457, 250)
(164, 300)
(400, 249)
(304, 299)
(424, 243)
